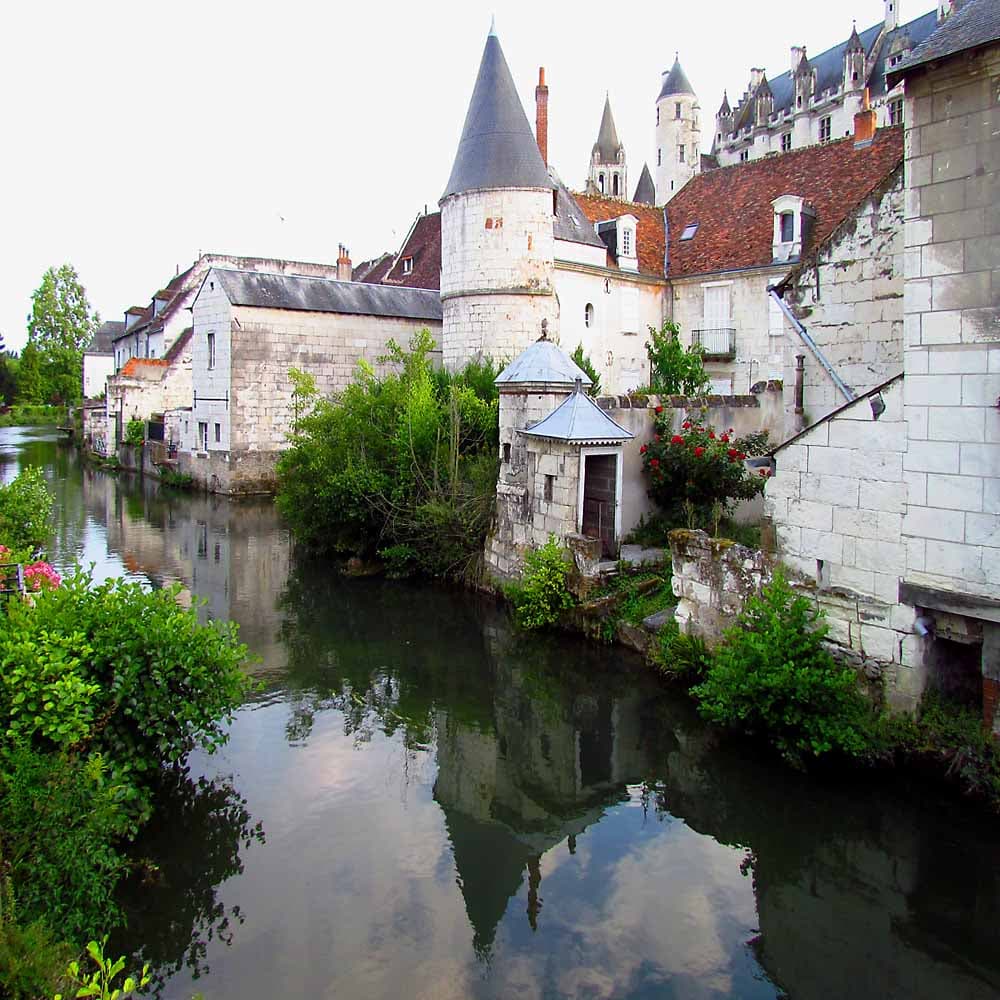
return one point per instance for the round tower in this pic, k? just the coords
(678, 134)
(496, 227)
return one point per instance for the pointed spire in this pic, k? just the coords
(645, 191)
(607, 145)
(675, 82)
(724, 108)
(854, 42)
(497, 148)
(804, 66)
(493, 26)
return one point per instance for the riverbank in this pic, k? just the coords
(31, 416)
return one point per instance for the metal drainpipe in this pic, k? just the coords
(845, 390)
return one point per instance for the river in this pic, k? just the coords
(420, 802)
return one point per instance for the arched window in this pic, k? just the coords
(787, 227)
(588, 315)
(600, 182)
(614, 185)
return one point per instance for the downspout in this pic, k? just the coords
(668, 312)
(845, 390)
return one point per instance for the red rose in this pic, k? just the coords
(698, 452)
(724, 439)
(686, 425)
(654, 462)
(642, 450)
(764, 473)
(733, 453)
(677, 439)
(656, 437)
(659, 409)
(741, 455)
(711, 435)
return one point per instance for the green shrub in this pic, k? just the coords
(542, 595)
(679, 655)
(772, 677)
(583, 362)
(176, 480)
(100, 983)
(675, 370)
(25, 512)
(135, 433)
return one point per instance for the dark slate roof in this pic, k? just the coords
(542, 362)
(645, 190)
(732, 205)
(974, 24)
(497, 148)
(675, 82)
(285, 291)
(571, 222)
(607, 145)
(177, 347)
(579, 420)
(105, 336)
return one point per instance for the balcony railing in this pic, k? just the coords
(719, 343)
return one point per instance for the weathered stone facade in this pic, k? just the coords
(849, 297)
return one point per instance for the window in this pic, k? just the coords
(211, 350)
(680, 154)
(218, 433)
(657, 116)
(549, 481)
(202, 435)
(677, 109)
(600, 182)
(744, 155)
(825, 129)
(506, 452)
(896, 112)
(588, 315)
(787, 227)
(614, 185)
(407, 265)
(659, 157)
(689, 231)
(626, 242)
(893, 60)
(786, 141)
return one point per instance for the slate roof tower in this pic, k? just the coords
(608, 176)
(678, 134)
(496, 227)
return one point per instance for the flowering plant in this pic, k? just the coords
(697, 471)
(40, 575)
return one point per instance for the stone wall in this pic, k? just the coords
(849, 297)
(952, 309)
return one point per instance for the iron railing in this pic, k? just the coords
(719, 343)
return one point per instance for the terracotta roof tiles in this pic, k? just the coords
(649, 231)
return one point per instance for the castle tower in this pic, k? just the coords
(723, 123)
(607, 160)
(678, 134)
(496, 227)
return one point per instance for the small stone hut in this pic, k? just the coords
(560, 460)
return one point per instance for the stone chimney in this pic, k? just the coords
(542, 115)
(344, 268)
(797, 51)
(864, 122)
(756, 75)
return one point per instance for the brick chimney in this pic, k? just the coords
(864, 122)
(542, 115)
(344, 268)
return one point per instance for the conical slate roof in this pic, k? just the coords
(607, 138)
(675, 82)
(497, 148)
(543, 361)
(724, 108)
(579, 420)
(645, 191)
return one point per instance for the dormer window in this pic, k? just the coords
(407, 265)
(825, 129)
(689, 232)
(793, 220)
(626, 242)
(787, 225)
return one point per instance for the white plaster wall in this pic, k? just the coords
(952, 327)
(616, 341)
(850, 300)
(96, 369)
(496, 273)
(212, 314)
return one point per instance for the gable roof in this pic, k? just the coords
(732, 205)
(497, 148)
(975, 23)
(422, 247)
(374, 269)
(649, 231)
(177, 347)
(104, 337)
(579, 420)
(296, 292)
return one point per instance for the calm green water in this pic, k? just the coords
(420, 803)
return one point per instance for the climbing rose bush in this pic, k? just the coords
(697, 470)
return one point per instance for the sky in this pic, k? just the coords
(134, 136)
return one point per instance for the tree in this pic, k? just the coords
(59, 328)
(8, 375)
(673, 369)
(29, 376)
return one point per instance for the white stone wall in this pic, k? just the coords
(623, 310)
(212, 314)
(952, 326)
(672, 132)
(850, 300)
(96, 369)
(496, 273)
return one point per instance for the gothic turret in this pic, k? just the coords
(854, 63)
(607, 160)
(678, 134)
(723, 123)
(496, 227)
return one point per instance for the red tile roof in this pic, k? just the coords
(134, 367)
(423, 247)
(732, 205)
(649, 232)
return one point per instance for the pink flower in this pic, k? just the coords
(40, 575)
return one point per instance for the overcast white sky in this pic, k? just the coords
(134, 135)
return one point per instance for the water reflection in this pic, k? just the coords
(454, 810)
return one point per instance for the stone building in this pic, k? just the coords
(678, 134)
(815, 99)
(250, 328)
(608, 170)
(99, 359)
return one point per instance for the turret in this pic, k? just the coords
(645, 190)
(607, 175)
(804, 79)
(723, 123)
(496, 227)
(854, 63)
(678, 134)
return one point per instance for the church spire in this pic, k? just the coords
(607, 144)
(607, 176)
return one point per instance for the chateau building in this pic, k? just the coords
(608, 173)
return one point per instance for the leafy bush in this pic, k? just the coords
(696, 476)
(583, 361)
(675, 370)
(100, 983)
(25, 512)
(542, 595)
(679, 655)
(176, 480)
(135, 433)
(773, 677)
